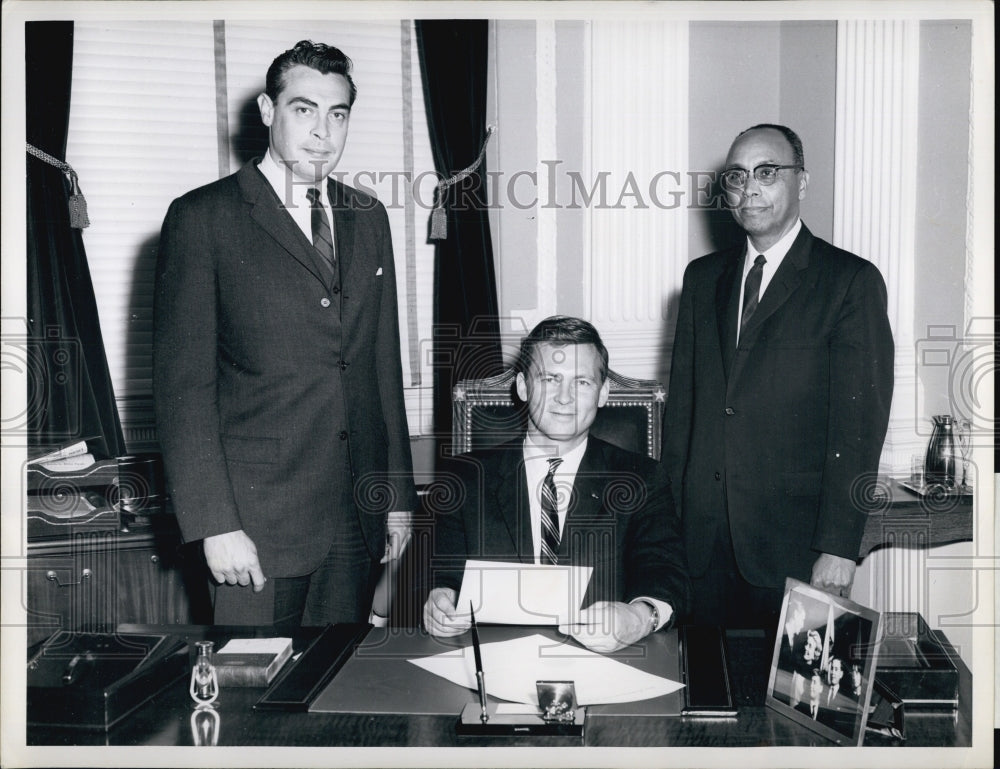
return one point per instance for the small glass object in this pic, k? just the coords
(963, 433)
(204, 679)
(917, 470)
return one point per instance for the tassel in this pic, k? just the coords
(439, 218)
(439, 223)
(78, 218)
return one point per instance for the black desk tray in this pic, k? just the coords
(914, 665)
(94, 680)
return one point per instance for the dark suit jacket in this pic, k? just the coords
(276, 393)
(787, 426)
(621, 521)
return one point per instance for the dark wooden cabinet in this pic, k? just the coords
(94, 578)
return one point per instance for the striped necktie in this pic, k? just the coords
(751, 290)
(322, 236)
(550, 515)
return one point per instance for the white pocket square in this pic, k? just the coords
(378, 272)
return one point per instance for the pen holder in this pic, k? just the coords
(557, 715)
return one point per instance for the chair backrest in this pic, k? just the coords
(487, 412)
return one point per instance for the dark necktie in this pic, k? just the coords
(321, 235)
(550, 516)
(751, 291)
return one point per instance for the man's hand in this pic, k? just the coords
(608, 626)
(398, 530)
(440, 615)
(232, 558)
(834, 574)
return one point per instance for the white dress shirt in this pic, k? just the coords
(536, 467)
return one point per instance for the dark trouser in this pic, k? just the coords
(339, 590)
(721, 596)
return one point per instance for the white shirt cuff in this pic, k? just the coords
(663, 608)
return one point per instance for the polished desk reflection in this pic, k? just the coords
(170, 718)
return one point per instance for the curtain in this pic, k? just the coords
(466, 336)
(70, 395)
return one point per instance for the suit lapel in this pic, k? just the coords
(586, 501)
(785, 281)
(343, 226)
(727, 301)
(267, 212)
(509, 494)
(787, 278)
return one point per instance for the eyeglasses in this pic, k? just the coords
(765, 174)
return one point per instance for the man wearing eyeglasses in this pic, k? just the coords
(779, 396)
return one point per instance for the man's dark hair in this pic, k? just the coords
(789, 134)
(561, 330)
(318, 56)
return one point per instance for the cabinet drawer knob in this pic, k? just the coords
(51, 576)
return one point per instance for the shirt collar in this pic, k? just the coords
(776, 252)
(280, 180)
(570, 460)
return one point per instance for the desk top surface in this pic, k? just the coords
(169, 720)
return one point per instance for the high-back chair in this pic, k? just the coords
(487, 412)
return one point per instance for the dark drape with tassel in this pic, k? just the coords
(70, 396)
(453, 59)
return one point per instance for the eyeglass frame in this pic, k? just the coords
(748, 174)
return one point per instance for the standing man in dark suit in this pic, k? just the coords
(779, 396)
(607, 508)
(277, 378)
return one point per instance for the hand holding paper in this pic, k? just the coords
(607, 626)
(441, 618)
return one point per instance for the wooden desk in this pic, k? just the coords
(166, 720)
(905, 519)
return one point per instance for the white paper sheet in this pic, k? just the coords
(522, 594)
(512, 667)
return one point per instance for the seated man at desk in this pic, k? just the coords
(561, 496)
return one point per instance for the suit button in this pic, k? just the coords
(324, 302)
(343, 435)
(336, 289)
(730, 411)
(342, 364)
(718, 476)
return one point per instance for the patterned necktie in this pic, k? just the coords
(550, 516)
(751, 291)
(321, 234)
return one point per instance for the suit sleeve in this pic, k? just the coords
(184, 375)
(452, 501)
(390, 377)
(861, 383)
(655, 564)
(680, 393)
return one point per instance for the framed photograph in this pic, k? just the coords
(824, 662)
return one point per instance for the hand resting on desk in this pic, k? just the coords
(440, 616)
(607, 626)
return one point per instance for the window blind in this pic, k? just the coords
(143, 130)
